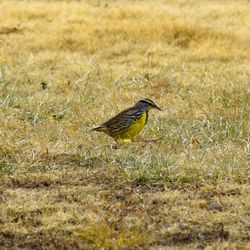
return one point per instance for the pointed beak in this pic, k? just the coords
(156, 107)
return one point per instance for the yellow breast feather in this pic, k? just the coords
(134, 130)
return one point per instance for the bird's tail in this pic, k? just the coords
(99, 128)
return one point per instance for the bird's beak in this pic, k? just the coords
(156, 107)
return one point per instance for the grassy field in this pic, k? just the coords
(66, 66)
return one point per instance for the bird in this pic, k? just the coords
(128, 124)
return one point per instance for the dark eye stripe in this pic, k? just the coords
(148, 102)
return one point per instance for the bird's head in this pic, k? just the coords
(147, 104)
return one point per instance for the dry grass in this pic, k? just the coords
(68, 65)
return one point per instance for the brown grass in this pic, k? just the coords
(68, 65)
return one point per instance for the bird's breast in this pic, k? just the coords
(134, 130)
(138, 125)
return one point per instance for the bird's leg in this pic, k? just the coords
(119, 143)
(138, 139)
(116, 145)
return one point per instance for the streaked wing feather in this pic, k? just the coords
(123, 121)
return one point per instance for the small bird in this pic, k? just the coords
(129, 123)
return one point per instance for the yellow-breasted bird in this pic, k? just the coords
(129, 123)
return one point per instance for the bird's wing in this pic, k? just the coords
(123, 120)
